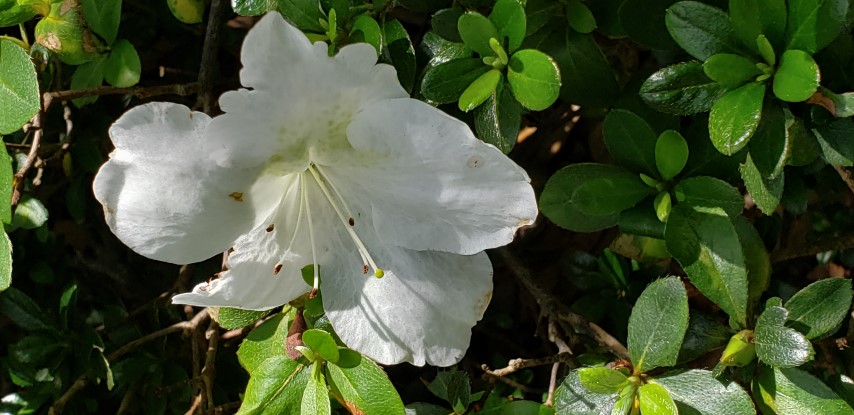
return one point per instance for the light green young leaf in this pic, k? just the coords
(235, 318)
(123, 68)
(655, 400)
(315, 397)
(321, 343)
(671, 154)
(476, 30)
(698, 392)
(19, 89)
(572, 398)
(276, 387)
(602, 379)
(444, 83)
(534, 79)
(265, 341)
(730, 70)
(735, 117)
(797, 76)
(508, 16)
(480, 90)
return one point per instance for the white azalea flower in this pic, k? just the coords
(327, 161)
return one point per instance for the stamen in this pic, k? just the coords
(363, 251)
(338, 195)
(316, 284)
(271, 227)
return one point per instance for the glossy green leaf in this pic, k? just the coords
(571, 398)
(440, 50)
(770, 146)
(321, 343)
(122, 68)
(444, 83)
(19, 95)
(315, 398)
(580, 17)
(103, 17)
(751, 18)
(813, 24)
(819, 308)
(13, 13)
(657, 325)
(642, 21)
(655, 400)
(698, 392)
(797, 77)
(362, 386)
(631, 141)
(476, 30)
(264, 341)
(681, 89)
(796, 392)
(703, 335)
(766, 50)
(276, 387)
(835, 142)
(235, 318)
(86, 76)
(399, 52)
(252, 7)
(777, 345)
(730, 70)
(23, 311)
(641, 220)
(5, 262)
(710, 192)
(480, 90)
(735, 117)
(626, 400)
(765, 191)
(705, 242)
(602, 379)
(497, 120)
(671, 154)
(444, 23)
(534, 79)
(662, 206)
(451, 386)
(304, 14)
(29, 214)
(755, 259)
(366, 29)
(701, 30)
(508, 16)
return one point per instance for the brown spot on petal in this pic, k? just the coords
(276, 269)
(480, 306)
(271, 227)
(238, 196)
(294, 338)
(352, 222)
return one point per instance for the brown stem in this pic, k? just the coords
(836, 243)
(209, 370)
(519, 364)
(208, 68)
(846, 176)
(141, 92)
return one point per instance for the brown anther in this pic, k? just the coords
(276, 269)
(270, 228)
(237, 196)
(352, 222)
(312, 294)
(365, 269)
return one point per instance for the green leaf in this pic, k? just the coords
(29, 214)
(703, 335)
(444, 83)
(701, 30)
(626, 400)
(19, 90)
(5, 262)
(805, 147)
(363, 387)
(122, 68)
(770, 146)
(657, 325)
(730, 70)
(641, 220)
(444, 23)
(476, 30)
(67, 302)
(751, 18)
(253, 7)
(234, 318)
(681, 89)
(662, 205)
(777, 345)
(580, 18)
(571, 398)
(452, 386)
(480, 90)
(421, 408)
(399, 52)
(23, 311)
(756, 260)
(766, 192)
(265, 341)
(631, 141)
(13, 13)
(276, 387)
(534, 79)
(322, 344)
(795, 392)
(671, 154)
(86, 76)
(813, 24)
(698, 392)
(602, 379)
(103, 17)
(497, 120)
(766, 50)
(710, 192)
(655, 400)
(819, 308)
(705, 242)
(439, 51)
(797, 77)
(304, 14)
(735, 117)
(834, 138)
(508, 16)
(366, 29)
(6, 180)
(315, 398)
(642, 21)
(187, 11)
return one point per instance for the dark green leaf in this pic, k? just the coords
(29, 214)
(534, 79)
(19, 97)
(86, 76)
(539, 13)
(607, 14)
(805, 147)
(641, 220)
(364, 387)
(476, 30)
(795, 392)
(103, 17)
(730, 70)
(655, 400)
(751, 18)
(421, 6)
(671, 154)
(813, 24)
(420, 408)
(398, 52)
(643, 21)
(766, 192)
(304, 14)
(366, 29)
(819, 308)
(439, 51)
(450, 385)
(701, 30)
(276, 387)
(795, 195)
(321, 343)
(571, 398)
(253, 7)
(697, 392)
(315, 398)
(703, 335)
(777, 345)
(444, 83)
(657, 325)
(5, 263)
(6, 177)
(497, 120)
(735, 117)
(756, 259)
(710, 192)
(67, 302)
(480, 90)
(797, 77)
(508, 16)
(770, 146)
(631, 141)
(837, 147)
(266, 340)
(602, 379)
(444, 23)
(580, 18)
(13, 13)
(705, 242)
(234, 318)
(681, 89)
(122, 68)
(23, 311)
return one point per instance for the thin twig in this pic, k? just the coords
(141, 92)
(207, 70)
(209, 370)
(38, 132)
(846, 176)
(562, 347)
(836, 243)
(515, 365)
(221, 409)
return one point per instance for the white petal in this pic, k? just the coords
(163, 197)
(253, 281)
(432, 184)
